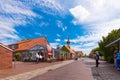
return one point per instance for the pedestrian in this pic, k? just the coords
(115, 52)
(76, 57)
(118, 60)
(40, 56)
(97, 58)
(37, 57)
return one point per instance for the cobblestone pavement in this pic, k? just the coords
(105, 71)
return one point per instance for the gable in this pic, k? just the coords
(64, 48)
(67, 49)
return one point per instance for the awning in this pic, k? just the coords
(114, 42)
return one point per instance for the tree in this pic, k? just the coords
(107, 52)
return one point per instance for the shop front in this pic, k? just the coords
(30, 55)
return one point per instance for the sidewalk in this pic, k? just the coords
(27, 70)
(105, 71)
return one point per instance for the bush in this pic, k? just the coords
(17, 56)
(110, 59)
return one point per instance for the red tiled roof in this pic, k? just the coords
(27, 44)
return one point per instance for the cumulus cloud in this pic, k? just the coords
(80, 13)
(96, 11)
(99, 17)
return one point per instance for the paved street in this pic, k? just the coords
(74, 71)
(83, 69)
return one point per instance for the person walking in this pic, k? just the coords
(37, 57)
(97, 58)
(118, 60)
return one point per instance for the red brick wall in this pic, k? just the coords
(5, 58)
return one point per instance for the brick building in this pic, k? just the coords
(27, 49)
(5, 57)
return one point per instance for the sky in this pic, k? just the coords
(83, 21)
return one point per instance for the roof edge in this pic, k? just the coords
(114, 42)
(5, 47)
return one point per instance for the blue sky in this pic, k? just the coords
(84, 21)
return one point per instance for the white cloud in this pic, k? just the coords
(58, 35)
(17, 10)
(86, 51)
(54, 45)
(15, 7)
(12, 13)
(43, 24)
(87, 38)
(49, 6)
(57, 40)
(94, 35)
(96, 11)
(85, 43)
(37, 33)
(61, 25)
(80, 13)
(99, 17)
(90, 44)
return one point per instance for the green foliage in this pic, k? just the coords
(17, 56)
(85, 55)
(96, 49)
(92, 53)
(107, 52)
